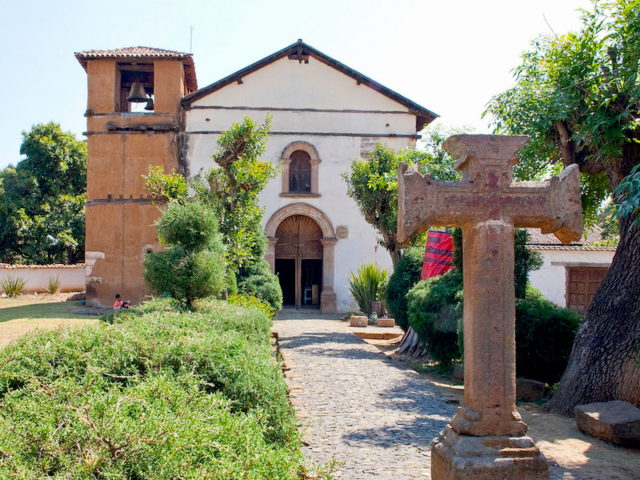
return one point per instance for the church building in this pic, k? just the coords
(324, 113)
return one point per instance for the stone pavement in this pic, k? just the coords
(374, 416)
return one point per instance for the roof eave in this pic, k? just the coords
(423, 115)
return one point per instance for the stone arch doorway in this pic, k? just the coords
(298, 261)
(301, 252)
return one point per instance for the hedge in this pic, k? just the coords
(159, 393)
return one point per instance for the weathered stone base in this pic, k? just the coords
(328, 302)
(463, 457)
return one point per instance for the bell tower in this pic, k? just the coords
(134, 120)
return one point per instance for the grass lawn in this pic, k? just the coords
(28, 312)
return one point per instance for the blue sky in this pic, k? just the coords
(449, 56)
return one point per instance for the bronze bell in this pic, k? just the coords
(137, 93)
(149, 106)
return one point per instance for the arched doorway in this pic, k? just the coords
(314, 249)
(298, 261)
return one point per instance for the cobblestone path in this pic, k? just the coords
(374, 416)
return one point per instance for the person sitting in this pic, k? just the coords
(118, 303)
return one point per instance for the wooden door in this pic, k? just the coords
(582, 284)
(299, 239)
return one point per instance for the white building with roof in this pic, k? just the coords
(325, 114)
(570, 274)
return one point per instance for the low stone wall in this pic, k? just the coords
(72, 277)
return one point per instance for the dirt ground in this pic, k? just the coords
(572, 455)
(29, 312)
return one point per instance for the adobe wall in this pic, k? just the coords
(121, 147)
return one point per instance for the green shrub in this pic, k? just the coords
(232, 283)
(364, 285)
(53, 285)
(13, 286)
(192, 226)
(193, 266)
(258, 281)
(186, 276)
(407, 273)
(544, 337)
(434, 314)
(158, 394)
(245, 300)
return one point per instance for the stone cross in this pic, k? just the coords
(488, 205)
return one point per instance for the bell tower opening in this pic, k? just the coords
(136, 88)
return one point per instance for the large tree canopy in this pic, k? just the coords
(42, 199)
(578, 97)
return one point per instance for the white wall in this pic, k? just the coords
(339, 136)
(72, 277)
(551, 279)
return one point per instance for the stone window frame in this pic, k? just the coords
(285, 160)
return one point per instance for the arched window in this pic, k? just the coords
(300, 168)
(300, 172)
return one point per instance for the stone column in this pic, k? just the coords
(285, 174)
(314, 175)
(270, 255)
(328, 298)
(489, 333)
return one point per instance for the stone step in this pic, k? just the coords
(378, 335)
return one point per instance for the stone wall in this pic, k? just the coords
(72, 277)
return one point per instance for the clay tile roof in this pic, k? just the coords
(144, 53)
(541, 241)
(7, 266)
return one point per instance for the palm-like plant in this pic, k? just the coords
(13, 286)
(364, 285)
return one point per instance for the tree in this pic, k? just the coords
(373, 184)
(232, 189)
(578, 97)
(192, 266)
(42, 199)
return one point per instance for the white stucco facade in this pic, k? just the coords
(551, 279)
(338, 117)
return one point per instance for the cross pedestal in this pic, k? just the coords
(485, 439)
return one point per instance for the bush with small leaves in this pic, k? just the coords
(406, 275)
(193, 266)
(258, 281)
(160, 393)
(435, 314)
(544, 337)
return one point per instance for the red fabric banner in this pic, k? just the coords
(438, 255)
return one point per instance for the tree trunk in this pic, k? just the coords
(410, 345)
(605, 361)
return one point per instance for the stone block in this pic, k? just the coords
(458, 371)
(615, 422)
(386, 322)
(465, 457)
(358, 321)
(528, 390)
